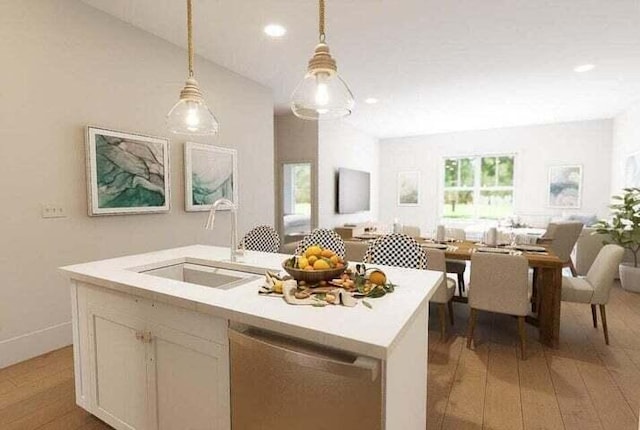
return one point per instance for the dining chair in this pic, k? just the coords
(443, 295)
(499, 283)
(325, 238)
(396, 250)
(594, 289)
(457, 267)
(261, 238)
(411, 231)
(561, 238)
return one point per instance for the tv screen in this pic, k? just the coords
(354, 189)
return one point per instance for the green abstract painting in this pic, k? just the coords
(128, 173)
(210, 174)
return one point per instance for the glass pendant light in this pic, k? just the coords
(191, 114)
(322, 94)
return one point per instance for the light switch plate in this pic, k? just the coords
(50, 210)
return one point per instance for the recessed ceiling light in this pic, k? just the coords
(371, 101)
(584, 68)
(275, 30)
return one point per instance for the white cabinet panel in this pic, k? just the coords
(120, 369)
(191, 380)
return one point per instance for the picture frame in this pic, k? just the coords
(211, 172)
(408, 188)
(564, 188)
(127, 173)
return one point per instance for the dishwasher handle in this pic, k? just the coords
(360, 368)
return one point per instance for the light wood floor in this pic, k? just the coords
(583, 385)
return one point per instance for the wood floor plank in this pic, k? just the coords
(540, 409)
(443, 362)
(30, 367)
(72, 420)
(576, 407)
(465, 409)
(502, 406)
(29, 390)
(37, 411)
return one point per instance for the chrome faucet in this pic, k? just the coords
(226, 204)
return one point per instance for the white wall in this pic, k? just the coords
(536, 147)
(67, 65)
(341, 145)
(626, 141)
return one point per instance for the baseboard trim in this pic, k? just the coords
(33, 344)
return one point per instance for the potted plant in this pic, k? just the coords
(624, 230)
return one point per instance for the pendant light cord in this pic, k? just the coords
(321, 20)
(190, 37)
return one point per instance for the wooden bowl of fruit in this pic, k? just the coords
(315, 264)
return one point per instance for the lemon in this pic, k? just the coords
(314, 250)
(334, 260)
(312, 259)
(321, 265)
(302, 262)
(327, 253)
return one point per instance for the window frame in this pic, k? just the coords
(477, 188)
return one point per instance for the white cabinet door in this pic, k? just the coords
(191, 381)
(119, 369)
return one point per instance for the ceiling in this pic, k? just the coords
(435, 65)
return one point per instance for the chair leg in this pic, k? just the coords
(441, 318)
(461, 283)
(603, 315)
(534, 291)
(594, 316)
(572, 267)
(473, 313)
(450, 304)
(523, 338)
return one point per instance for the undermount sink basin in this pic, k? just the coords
(220, 276)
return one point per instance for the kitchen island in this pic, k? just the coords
(151, 336)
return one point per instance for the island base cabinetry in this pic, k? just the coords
(144, 365)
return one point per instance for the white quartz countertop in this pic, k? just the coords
(365, 331)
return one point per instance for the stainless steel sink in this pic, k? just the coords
(221, 276)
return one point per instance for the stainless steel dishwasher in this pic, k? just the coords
(282, 384)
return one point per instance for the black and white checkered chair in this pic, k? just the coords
(396, 250)
(261, 238)
(325, 238)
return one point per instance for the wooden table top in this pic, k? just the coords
(465, 249)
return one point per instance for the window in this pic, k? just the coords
(478, 187)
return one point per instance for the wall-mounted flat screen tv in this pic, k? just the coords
(354, 191)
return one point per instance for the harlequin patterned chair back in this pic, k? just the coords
(262, 238)
(325, 238)
(396, 250)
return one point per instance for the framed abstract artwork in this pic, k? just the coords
(127, 173)
(565, 186)
(211, 173)
(409, 188)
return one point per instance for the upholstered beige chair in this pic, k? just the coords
(411, 231)
(561, 238)
(457, 267)
(499, 283)
(444, 294)
(594, 288)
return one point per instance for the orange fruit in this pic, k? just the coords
(321, 265)
(334, 259)
(309, 268)
(312, 259)
(378, 277)
(327, 253)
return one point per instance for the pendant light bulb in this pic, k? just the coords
(322, 94)
(191, 115)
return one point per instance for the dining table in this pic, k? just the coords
(547, 289)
